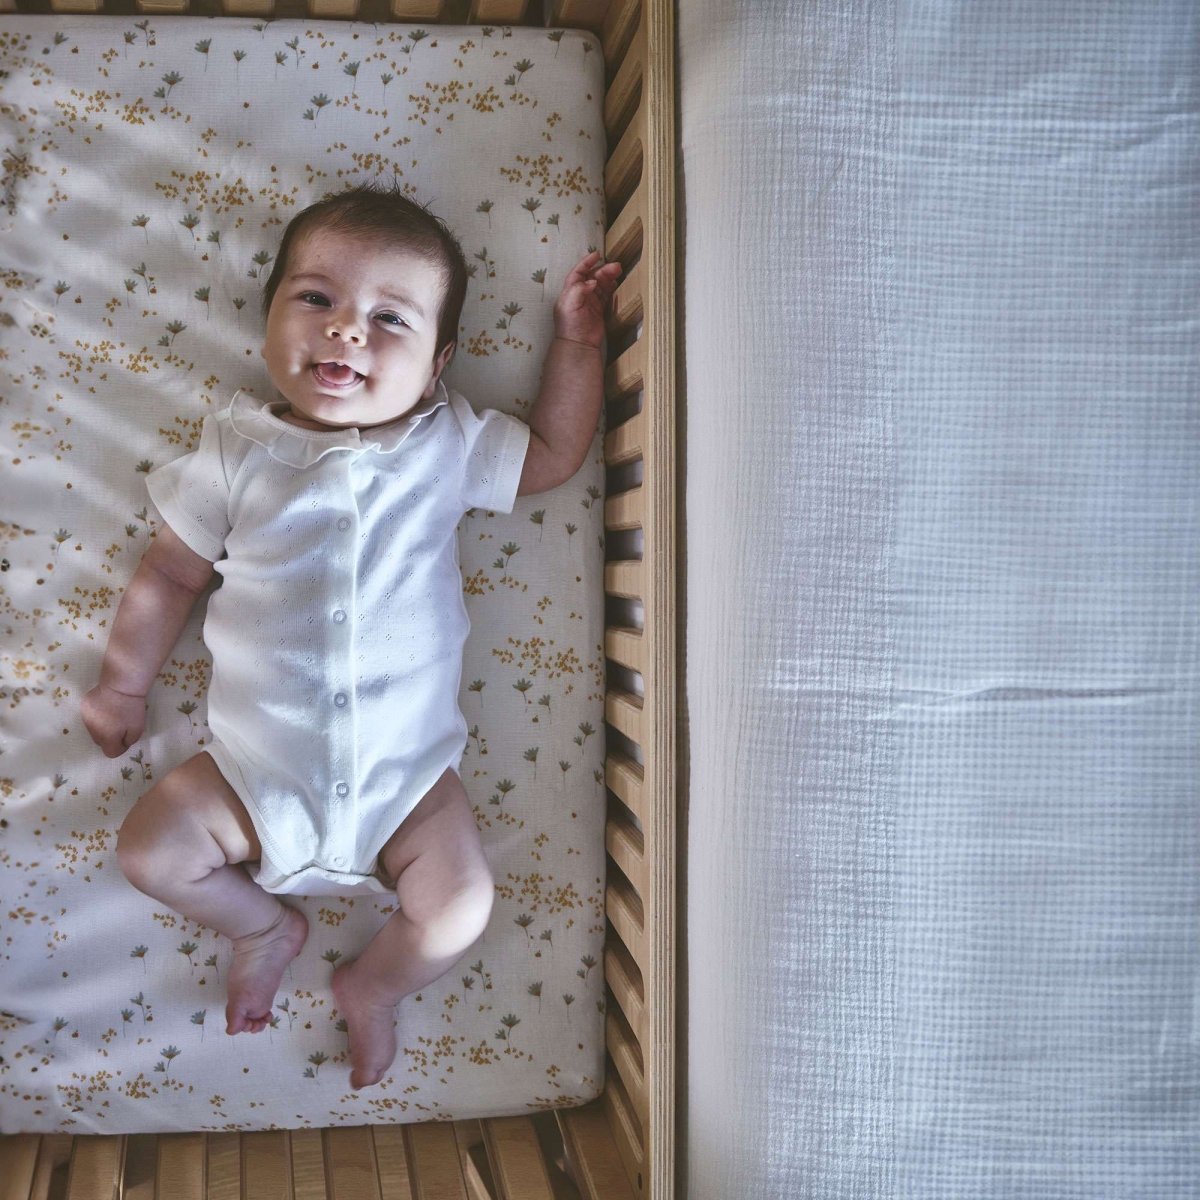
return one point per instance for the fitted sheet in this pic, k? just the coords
(149, 168)
(943, 478)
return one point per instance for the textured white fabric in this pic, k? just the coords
(942, 279)
(337, 633)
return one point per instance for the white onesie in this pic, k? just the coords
(337, 632)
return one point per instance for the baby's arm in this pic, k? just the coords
(149, 620)
(563, 418)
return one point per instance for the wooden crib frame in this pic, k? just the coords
(622, 1145)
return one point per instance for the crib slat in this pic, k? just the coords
(436, 1170)
(391, 1160)
(419, 10)
(623, 241)
(266, 1166)
(248, 8)
(54, 1157)
(624, 578)
(629, 1136)
(621, 98)
(473, 1160)
(624, 166)
(180, 1173)
(333, 9)
(624, 711)
(76, 6)
(622, 908)
(623, 841)
(516, 1157)
(96, 1164)
(18, 1161)
(579, 14)
(625, 375)
(629, 302)
(625, 443)
(163, 8)
(625, 510)
(626, 647)
(626, 1056)
(624, 779)
(498, 12)
(592, 1153)
(617, 974)
(223, 1154)
(350, 1164)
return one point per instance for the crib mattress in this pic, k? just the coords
(149, 169)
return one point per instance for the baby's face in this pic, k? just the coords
(352, 332)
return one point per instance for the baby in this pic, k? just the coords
(337, 633)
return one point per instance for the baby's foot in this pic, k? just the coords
(371, 1021)
(259, 961)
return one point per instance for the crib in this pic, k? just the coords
(623, 1144)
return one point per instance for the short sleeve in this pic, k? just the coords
(192, 494)
(494, 458)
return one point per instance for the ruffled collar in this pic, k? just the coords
(298, 447)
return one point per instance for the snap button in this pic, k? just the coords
(339, 616)
(343, 789)
(340, 699)
(343, 523)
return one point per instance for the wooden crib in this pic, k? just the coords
(623, 1144)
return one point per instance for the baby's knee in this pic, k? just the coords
(458, 922)
(144, 846)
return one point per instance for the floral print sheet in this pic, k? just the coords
(149, 166)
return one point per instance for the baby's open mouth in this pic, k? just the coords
(336, 374)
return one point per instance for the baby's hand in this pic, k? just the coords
(586, 296)
(114, 719)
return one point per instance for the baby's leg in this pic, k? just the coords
(445, 889)
(182, 843)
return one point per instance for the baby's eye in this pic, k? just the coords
(314, 298)
(391, 318)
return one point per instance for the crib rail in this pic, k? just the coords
(623, 1145)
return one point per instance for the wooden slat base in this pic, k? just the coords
(498, 1159)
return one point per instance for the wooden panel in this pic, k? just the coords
(629, 302)
(333, 9)
(619, 970)
(624, 92)
(579, 14)
(181, 1166)
(248, 8)
(50, 1176)
(626, 1056)
(624, 510)
(306, 1150)
(625, 376)
(473, 1160)
(95, 1172)
(592, 1153)
(499, 12)
(624, 842)
(435, 1163)
(625, 646)
(624, 166)
(76, 6)
(624, 911)
(620, 26)
(624, 712)
(516, 1158)
(391, 1160)
(624, 443)
(624, 578)
(350, 1164)
(624, 778)
(419, 10)
(629, 1137)
(224, 1154)
(266, 1166)
(163, 8)
(18, 1161)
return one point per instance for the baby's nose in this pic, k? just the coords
(348, 330)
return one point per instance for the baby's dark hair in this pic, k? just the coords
(385, 213)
